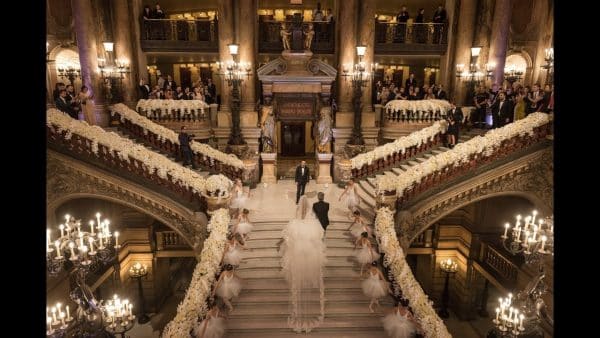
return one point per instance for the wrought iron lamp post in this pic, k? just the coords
(360, 77)
(471, 76)
(234, 73)
(549, 65)
(449, 267)
(522, 315)
(139, 271)
(112, 73)
(85, 252)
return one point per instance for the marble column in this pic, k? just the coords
(139, 56)
(88, 56)
(124, 50)
(347, 52)
(366, 37)
(464, 42)
(247, 40)
(446, 72)
(483, 28)
(499, 39)
(546, 32)
(226, 36)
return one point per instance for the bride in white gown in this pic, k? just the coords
(303, 259)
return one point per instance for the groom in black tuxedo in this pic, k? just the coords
(302, 177)
(321, 209)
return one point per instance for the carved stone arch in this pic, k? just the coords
(529, 176)
(69, 179)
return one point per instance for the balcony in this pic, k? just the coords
(162, 35)
(270, 38)
(415, 38)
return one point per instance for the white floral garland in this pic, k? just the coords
(164, 133)
(460, 154)
(432, 324)
(166, 106)
(125, 147)
(400, 144)
(194, 303)
(217, 182)
(419, 106)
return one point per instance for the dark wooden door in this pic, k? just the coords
(292, 139)
(186, 78)
(397, 79)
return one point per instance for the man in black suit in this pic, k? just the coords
(302, 177)
(144, 89)
(439, 17)
(502, 111)
(170, 82)
(186, 150)
(411, 81)
(440, 94)
(321, 209)
(63, 105)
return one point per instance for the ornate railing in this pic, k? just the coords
(83, 148)
(175, 110)
(501, 267)
(449, 172)
(149, 138)
(179, 34)
(393, 37)
(269, 37)
(170, 240)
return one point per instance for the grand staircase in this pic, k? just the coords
(367, 186)
(261, 310)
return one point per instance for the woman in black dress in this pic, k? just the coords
(452, 132)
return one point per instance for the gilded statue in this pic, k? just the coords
(285, 37)
(309, 34)
(267, 126)
(324, 128)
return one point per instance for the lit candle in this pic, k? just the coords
(497, 313)
(527, 219)
(552, 228)
(62, 318)
(91, 240)
(518, 237)
(116, 239)
(57, 245)
(81, 239)
(92, 227)
(49, 321)
(535, 229)
(130, 310)
(98, 218)
(68, 313)
(53, 310)
(62, 228)
(521, 322)
(72, 245)
(67, 217)
(544, 239)
(107, 230)
(506, 226)
(100, 238)
(48, 240)
(510, 312)
(534, 214)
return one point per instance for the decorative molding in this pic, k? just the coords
(69, 179)
(530, 176)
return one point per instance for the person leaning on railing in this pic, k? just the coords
(439, 18)
(401, 19)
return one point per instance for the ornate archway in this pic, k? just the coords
(69, 179)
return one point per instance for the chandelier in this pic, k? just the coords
(69, 70)
(549, 65)
(522, 315)
(473, 74)
(513, 74)
(109, 69)
(84, 252)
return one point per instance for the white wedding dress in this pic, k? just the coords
(303, 259)
(398, 326)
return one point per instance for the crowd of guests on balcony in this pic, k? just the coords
(388, 90)
(419, 31)
(167, 89)
(153, 30)
(67, 101)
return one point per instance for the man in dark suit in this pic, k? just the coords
(186, 150)
(439, 17)
(502, 111)
(63, 105)
(411, 81)
(321, 210)
(144, 89)
(440, 94)
(302, 177)
(170, 82)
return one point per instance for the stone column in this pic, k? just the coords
(464, 42)
(366, 37)
(483, 28)
(88, 56)
(347, 55)
(324, 174)
(446, 72)
(139, 56)
(499, 39)
(226, 36)
(546, 33)
(269, 168)
(247, 40)
(124, 50)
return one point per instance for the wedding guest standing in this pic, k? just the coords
(302, 177)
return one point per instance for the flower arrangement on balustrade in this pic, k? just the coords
(163, 108)
(395, 260)
(164, 133)
(400, 145)
(215, 186)
(462, 153)
(125, 148)
(419, 107)
(194, 303)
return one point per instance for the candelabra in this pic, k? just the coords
(549, 65)
(85, 252)
(234, 73)
(513, 74)
(139, 271)
(523, 314)
(112, 73)
(449, 267)
(360, 77)
(70, 71)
